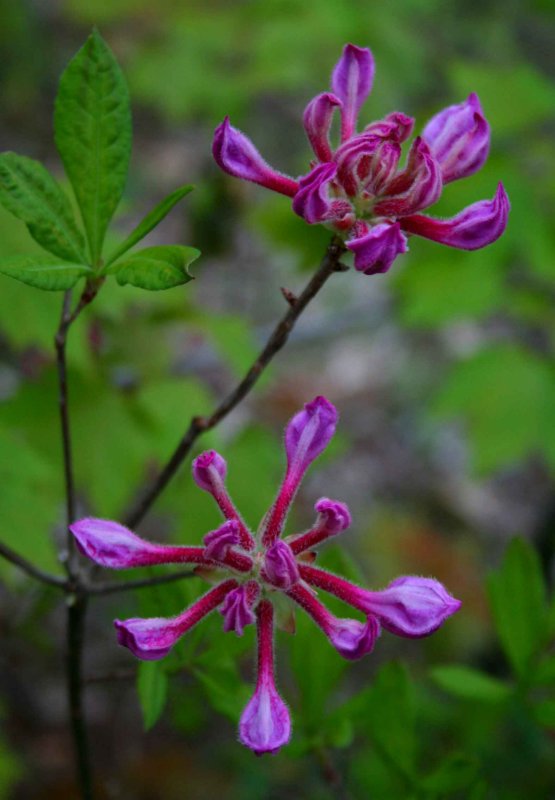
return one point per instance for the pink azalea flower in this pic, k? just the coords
(358, 189)
(257, 568)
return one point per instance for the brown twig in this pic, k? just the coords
(124, 586)
(26, 566)
(331, 263)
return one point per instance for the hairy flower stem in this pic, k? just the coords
(198, 425)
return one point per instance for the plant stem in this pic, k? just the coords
(76, 599)
(198, 425)
(124, 586)
(76, 612)
(26, 566)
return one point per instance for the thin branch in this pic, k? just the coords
(77, 600)
(67, 318)
(198, 425)
(124, 586)
(29, 568)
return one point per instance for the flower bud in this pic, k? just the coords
(376, 250)
(459, 138)
(280, 565)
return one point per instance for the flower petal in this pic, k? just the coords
(235, 154)
(113, 545)
(152, 639)
(418, 186)
(237, 607)
(376, 250)
(218, 542)
(209, 472)
(265, 725)
(459, 138)
(351, 81)
(476, 226)
(309, 433)
(280, 566)
(312, 201)
(412, 606)
(396, 126)
(317, 121)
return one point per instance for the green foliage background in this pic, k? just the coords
(443, 371)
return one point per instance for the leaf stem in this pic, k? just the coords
(198, 425)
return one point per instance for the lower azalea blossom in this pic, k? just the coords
(250, 571)
(358, 188)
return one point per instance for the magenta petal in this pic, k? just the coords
(280, 565)
(417, 187)
(265, 724)
(376, 250)
(334, 515)
(113, 545)
(351, 81)
(218, 542)
(151, 639)
(237, 607)
(396, 126)
(476, 226)
(412, 606)
(148, 639)
(235, 154)
(353, 639)
(317, 120)
(459, 138)
(308, 433)
(312, 201)
(207, 465)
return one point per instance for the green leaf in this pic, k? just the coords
(31, 194)
(544, 713)
(156, 268)
(544, 675)
(390, 718)
(517, 596)
(150, 221)
(506, 395)
(92, 125)
(152, 686)
(456, 772)
(470, 684)
(44, 272)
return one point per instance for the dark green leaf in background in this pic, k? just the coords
(470, 684)
(150, 221)
(152, 686)
(156, 268)
(517, 595)
(30, 192)
(44, 272)
(92, 124)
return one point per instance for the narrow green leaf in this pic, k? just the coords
(389, 717)
(457, 771)
(152, 686)
(156, 268)
(544, 674)
(517, 596)
(149, 222)
(44, 272)
(544, 713)
(471, 684)
(92, 125)
(31, 194)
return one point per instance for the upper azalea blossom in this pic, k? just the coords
(250, 571)
(358, 189)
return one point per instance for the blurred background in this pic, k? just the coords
(442, 370)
